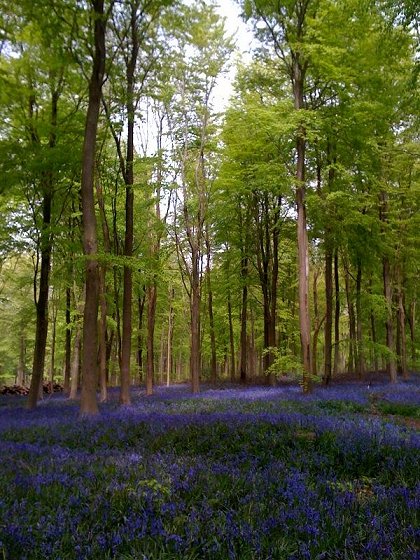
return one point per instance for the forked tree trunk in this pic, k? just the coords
(88, 403)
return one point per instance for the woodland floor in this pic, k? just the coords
(246, 473)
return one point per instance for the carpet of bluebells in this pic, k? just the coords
(238, 473)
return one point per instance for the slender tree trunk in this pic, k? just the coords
(102, 337)
(390, 362)
(75, 363)
(302, 234)
(373, 335)
(140, 302)
(244, 309)
(88, 403)
(67, 366)
(42, 305)
(151, 317)
(352, 358)
(328, 317)
(231, 339)
(336, 315)
(360, 364)
(403, 338)
(411, 320)
(213, 364)
(170, 339)
(53, 342)
(20, 376)
(195, 358)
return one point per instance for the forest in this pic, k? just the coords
(149, 236)
(209, 330)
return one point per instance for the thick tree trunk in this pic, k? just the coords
(88, 403)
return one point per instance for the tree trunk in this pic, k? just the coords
(328, 317)
(88, 403)
(213, 364)
(302, 234)
(390, 361)
(352, 358)
(140, 302)
(336, 316)
(75, 363)
(403, 338)
(231, 339)
(243, 353)
(169, 360)
(360, 364)
(53, 341)
(67, 366)
(102, 337)
(42, 305)
(20, 375)
(195, 359)
(151, 318)
(412, 319)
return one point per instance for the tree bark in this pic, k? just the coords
(151, 318)
(213, 363)
(67, 366)
(244, 309)
(231, 339)
(88, 403)
(328, 316)
(360, 363)
(42, 304)
(390, 361)
(302, 234)
(336, 315)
